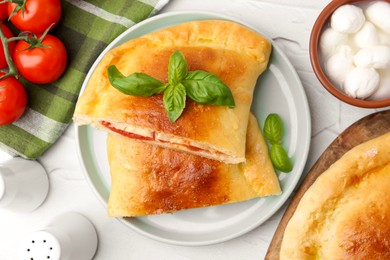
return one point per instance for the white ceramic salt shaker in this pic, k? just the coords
(69, 236)
(23, 185)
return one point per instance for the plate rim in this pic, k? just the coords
(286, 193)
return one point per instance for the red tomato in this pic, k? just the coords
(11, 46)
(3, 12)
(41, 65)
(13, 100)
(38, 15)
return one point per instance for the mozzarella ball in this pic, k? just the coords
(339, 64)
(347, 19)
(384, 38)
(379, 14)
(383, 90)
(377, 57)
(361, 82)
(366, 36)
(330, 40)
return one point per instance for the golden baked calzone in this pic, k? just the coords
(345, 214)
(148, 179)
(234, 53)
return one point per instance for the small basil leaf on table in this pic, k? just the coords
(273, 129)
(174, 101)
(177, 68)
(273, 132)
(206, 88)
(136, 84)
(280, 158)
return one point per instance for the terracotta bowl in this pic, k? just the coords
(322, 23)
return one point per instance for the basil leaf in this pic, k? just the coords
(137, 84)
(206, 88)
(273, 129)
(177, 68)
(174, 101)
(280, 158)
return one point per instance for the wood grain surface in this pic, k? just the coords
(363, 130)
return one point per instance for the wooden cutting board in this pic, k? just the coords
(363, 130)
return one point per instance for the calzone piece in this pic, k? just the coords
(236, 54)
(148, 179)
(345, 214)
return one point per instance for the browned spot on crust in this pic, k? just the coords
(363, 240)
(181, 181)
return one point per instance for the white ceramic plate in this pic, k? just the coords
(279, 91)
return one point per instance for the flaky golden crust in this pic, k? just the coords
(345, 214)
(147, 179)
(231, 51)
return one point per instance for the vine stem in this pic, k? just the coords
(21, 38)
(19, 2)
(12, 70)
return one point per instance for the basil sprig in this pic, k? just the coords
(273, 132)
(202, 87)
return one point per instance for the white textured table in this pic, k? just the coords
(289, 24)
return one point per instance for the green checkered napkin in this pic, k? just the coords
(86, 28)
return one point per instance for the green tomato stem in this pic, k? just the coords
(19, 2)
(12, 70)
(20, 5)
(19, 38)
(32, 39)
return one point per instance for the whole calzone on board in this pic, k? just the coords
(148, 179)
(234, 53)
(345, 214)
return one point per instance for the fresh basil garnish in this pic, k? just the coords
(177, 68)
(273, 132)
(280, 158)
(137, 84)
(273, 128)
(202, 87)
(206, 88)
(174, 101)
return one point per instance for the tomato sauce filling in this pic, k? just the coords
(127, 134)
(146, 138)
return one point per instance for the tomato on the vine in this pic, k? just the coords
(37, 15)
(3, 12)
(13, 100)
(41, 65)
(11, 46)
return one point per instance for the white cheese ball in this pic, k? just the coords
(384, 38)
(330, 40)
(379, 14)
(361, 82)
(377, 57)
(383, 90)
(339, 64)
(347, 19)
(366, 36)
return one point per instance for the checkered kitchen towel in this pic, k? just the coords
(86, 28)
